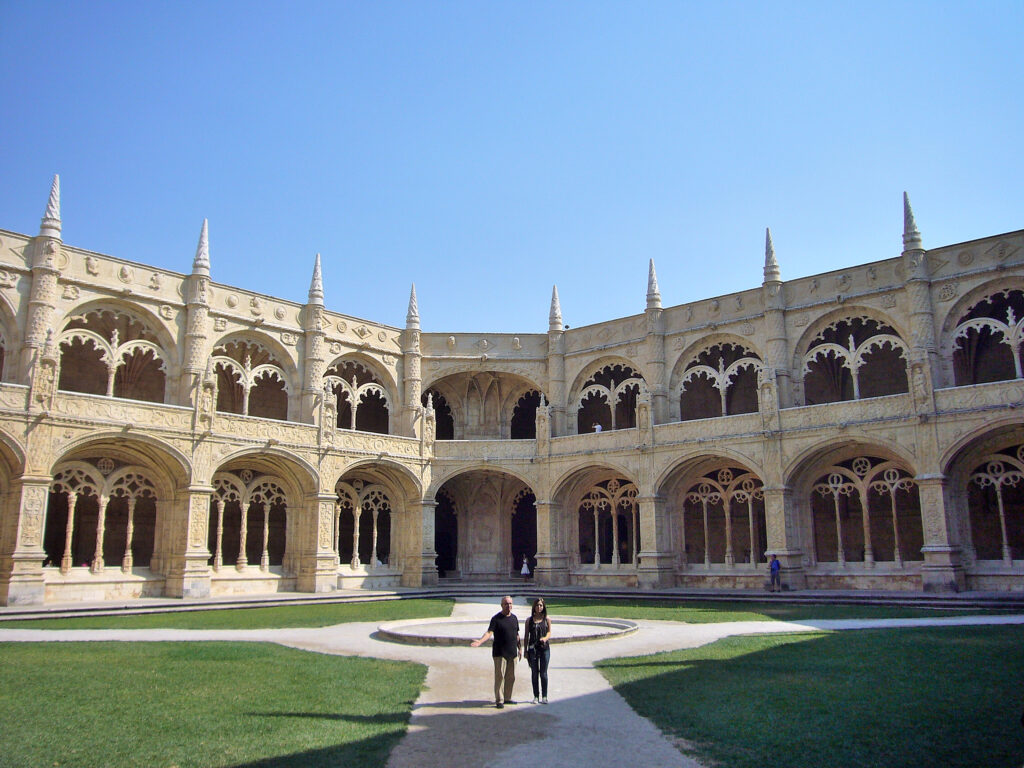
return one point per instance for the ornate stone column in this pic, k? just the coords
(776, 344)
(197, 310)
(428, 552)
(943, 569)
(552, 555)
(21, 542)
(314, 550)
(655, 349)
(412, 358)
(781, 514)
(556, 366)
(313, 349)
(42, 299)
(188, 574)
(917, 293)
(657, 562)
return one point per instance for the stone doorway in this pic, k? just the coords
(524, 531)
(446, 537)
(485, 521)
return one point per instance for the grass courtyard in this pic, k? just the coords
(903, 698)
(707, 612)
(198, 705)
(906, 697)
(273, 617)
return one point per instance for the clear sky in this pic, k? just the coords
(488, 150)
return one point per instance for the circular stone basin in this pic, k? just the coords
(567, 629)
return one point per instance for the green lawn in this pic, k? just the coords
(695, 612)
(949, 697)
(252, 618)
(198, 704)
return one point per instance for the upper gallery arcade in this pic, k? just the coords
(165, 434)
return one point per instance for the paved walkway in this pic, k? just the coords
(454, 722)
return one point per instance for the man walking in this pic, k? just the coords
(506, 649)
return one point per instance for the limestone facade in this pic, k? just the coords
(164, 434)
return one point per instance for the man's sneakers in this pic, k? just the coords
(499, 705)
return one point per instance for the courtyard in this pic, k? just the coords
(699, 683)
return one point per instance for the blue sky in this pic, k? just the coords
(487, 150)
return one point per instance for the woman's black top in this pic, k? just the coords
(535, 630)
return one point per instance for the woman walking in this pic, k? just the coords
(537, 638)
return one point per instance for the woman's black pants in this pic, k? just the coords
(539, 669)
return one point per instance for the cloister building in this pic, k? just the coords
(165, 434)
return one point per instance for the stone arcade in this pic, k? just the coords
(163, 434)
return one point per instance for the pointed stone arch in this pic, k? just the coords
(984, 492)
(983, 335)
(717, 510)
(597, 509)
(256, 375)
(859, 507)
(101, 511)
(604, 394)
(484, 502)
(716, 377)
(482, 403)
(250, 515)
(119, 513)
(365, 393)
(118, 350)
(851, 354)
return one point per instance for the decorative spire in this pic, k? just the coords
(201, 263)
(412, 317)
(653, 294)
(771, 266)
(316, 287)
(911, 237)
(50, 226)
(555, 317)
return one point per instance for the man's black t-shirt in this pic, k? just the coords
(506, 634)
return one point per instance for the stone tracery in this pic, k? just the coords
(250, 380)
(711, 506)
(608, 524)
(608, 398)
(852, 358)
(866, 509)
(996, 506)
(110, 352)
(988, 339)
(251, 512)
(720, 381)
(363, 527)
(95, 497)
(363, 402)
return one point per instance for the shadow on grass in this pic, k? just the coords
(374, 719)
(372, 751)
(895, 698)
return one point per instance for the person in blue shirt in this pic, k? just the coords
(775, 569)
